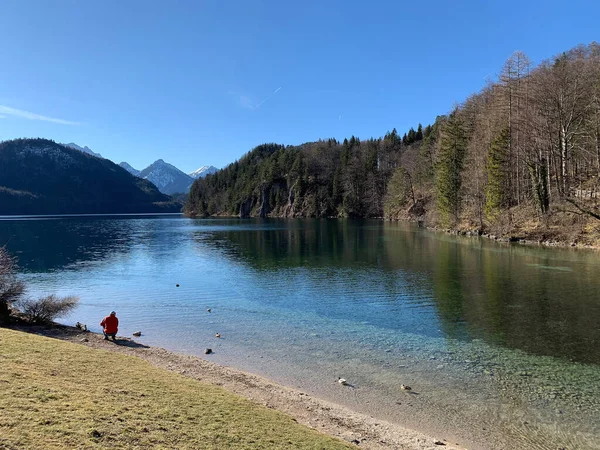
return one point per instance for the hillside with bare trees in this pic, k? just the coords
(519, 159)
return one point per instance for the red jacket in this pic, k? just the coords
(110, 324)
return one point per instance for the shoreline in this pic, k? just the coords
(505, 239)
(527, 239)
(329, 418)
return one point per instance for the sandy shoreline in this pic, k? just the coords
(334, 420)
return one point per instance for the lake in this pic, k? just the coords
(500, 342)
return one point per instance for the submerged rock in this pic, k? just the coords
(137, 333)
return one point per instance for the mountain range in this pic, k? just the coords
(166, 177)
(39, 176)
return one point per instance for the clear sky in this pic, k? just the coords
(202, 82)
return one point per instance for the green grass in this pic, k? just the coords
(58, 395)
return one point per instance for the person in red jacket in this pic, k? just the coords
(110, 325)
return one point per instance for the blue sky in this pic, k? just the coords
(202, 82)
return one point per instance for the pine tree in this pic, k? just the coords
(346, 152)
(449, 169)
(427, 132)
(419, 135)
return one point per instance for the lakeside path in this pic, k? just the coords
(334, 420)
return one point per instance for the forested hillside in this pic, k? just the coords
(318, 179)
(521, 157)
(39, 176)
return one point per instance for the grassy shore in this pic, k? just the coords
(58, 395)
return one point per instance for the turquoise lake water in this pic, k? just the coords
(501, 343)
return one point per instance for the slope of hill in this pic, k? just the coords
(203, 171)
(39, 176)
(167, 178)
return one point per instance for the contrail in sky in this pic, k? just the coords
(8, 111)
(268, 97)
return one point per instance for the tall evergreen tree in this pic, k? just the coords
(449, 169)
(419, 135)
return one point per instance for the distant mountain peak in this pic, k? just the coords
(85, 149)
(166, 177)
(203, 171)
(129, 169)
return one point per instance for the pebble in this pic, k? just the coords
(85, 340)
(439, 443)
(207, 351)
(137, 333)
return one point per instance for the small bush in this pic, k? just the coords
(11, 289)
(46, 309)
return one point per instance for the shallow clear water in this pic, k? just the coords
(500, 343)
